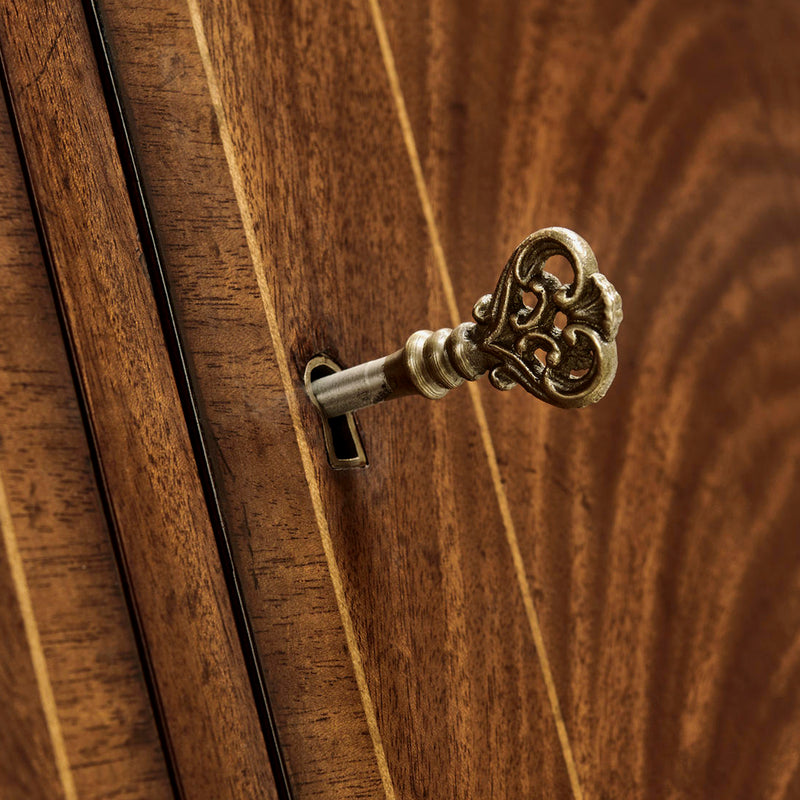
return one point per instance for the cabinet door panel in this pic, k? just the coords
(396, 644)
(661, 524)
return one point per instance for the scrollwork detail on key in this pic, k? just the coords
(581, 357)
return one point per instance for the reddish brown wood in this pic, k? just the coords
(159, 514)
(28, 767)
(425, 571)
(660, 526)
(66, 568)
(658, 530)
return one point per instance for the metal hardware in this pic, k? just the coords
(579, 360)
(342, 441)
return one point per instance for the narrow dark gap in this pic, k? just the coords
(344, 446)
(91, 442)
(182, 377)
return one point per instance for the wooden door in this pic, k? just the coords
(511, 600)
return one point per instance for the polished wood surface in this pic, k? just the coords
(29, 768)
(75, 716)
(167, 547)
(510, 601)
(394, 640)
(642, 130)
(660, 527)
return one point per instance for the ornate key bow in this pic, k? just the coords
(581, 357)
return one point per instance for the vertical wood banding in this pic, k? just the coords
(166, 543)
(34, 761)
(77, 631)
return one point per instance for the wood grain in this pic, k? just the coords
(29, 768)
(66, 581)
(290, 225)
(660, 528)
(153, 492)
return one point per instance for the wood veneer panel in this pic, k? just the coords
(661, 525)
(66, 568)
(313, 221)
(164, 534)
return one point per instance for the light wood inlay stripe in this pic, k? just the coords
(291, 397)
(486, 437)
(35, 646)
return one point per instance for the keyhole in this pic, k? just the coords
(342, 442)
